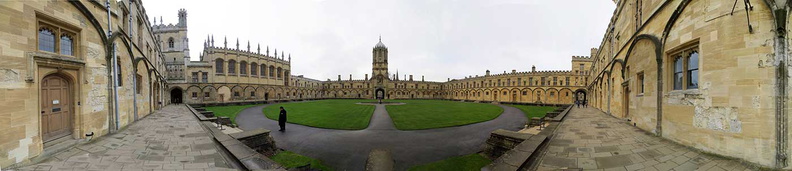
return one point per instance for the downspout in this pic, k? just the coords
(114, 64)
(781, 85)
(134, 78)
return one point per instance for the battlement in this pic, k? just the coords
(587, 58)
(522, 73)
(214, 49)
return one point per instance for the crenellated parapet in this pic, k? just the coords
(581, 58)
(240, 52)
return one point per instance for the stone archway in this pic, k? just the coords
(176, 95)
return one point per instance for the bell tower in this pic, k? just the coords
(379, 69)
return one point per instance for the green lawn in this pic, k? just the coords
(471, 162)
(534, 111)
(428, 114)
(332, 114)
(291, 160)
(228, 111)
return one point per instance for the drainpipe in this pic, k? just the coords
(114, 65)
(781, 85)
(134, 78)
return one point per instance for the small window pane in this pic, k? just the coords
(678, 73)
(46, 40)
(693, 68)
(66, 45)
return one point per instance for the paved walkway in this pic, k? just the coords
(590, 139)
(170, 139)
(348, 150)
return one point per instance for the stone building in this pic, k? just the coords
(56, 75)
(712, 75)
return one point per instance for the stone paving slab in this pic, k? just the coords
(591, 140)
(170, 139)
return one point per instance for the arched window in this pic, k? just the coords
(170, 42)
(263, 70)
(253, 68)
(46, 40)
(119, 76)
(66, 45)
(231, 66)
(678, 73)
(272, 71)
(219, 66)
(280, 73)
(692, 71)
(243, 67)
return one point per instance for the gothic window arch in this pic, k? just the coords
(46, 39)
(243, 67)
(253, 69)
(219, 66)
(66, 43)
(231, 66)
(170, 42)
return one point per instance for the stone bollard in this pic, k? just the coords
(379, 160)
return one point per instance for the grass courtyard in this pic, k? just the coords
(428, 114)
(534, 111)
(471, 162)
(228, 111)
(332, 114)
(293, 160)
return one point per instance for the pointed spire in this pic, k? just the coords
(267, 50)
(237, 43)
(276, 52)
(225, 42)
(248, 45)
(289, 57)
(259, 49)
(213, 40)
(161, 21)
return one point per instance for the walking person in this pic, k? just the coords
(577, 102)
(282, 119)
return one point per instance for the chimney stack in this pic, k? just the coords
(411, 78)
(422, 78)
(339, 77)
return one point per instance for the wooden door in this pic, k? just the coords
(55, 108)
(626, 102)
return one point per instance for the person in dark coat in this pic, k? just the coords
(282, 119)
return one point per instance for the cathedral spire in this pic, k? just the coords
(258, 49)
(212, 40)
(268, 50)
(225, 42)
(237, 43)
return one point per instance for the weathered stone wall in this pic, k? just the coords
(86, 71)
(733, 108)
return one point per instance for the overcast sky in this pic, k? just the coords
(438, 39)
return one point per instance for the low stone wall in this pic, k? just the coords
(247, 150)
(501, 141)
(558, 115)
(259, 140)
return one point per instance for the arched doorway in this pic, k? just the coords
(580, 95)
(176, 95)
(56, 113)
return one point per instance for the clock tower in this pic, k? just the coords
(379, 69)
